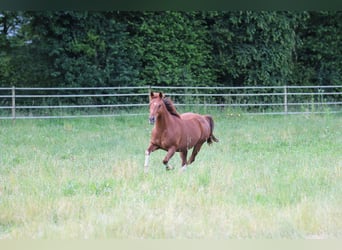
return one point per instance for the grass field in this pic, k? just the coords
(268, 177)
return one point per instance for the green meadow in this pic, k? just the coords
(276, 177)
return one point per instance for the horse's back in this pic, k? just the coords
(190, 121)
(189, 115)
(199, 121)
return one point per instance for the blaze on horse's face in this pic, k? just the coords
(156, 102)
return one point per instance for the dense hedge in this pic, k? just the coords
(202, 48)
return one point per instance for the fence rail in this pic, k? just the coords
(30, 103)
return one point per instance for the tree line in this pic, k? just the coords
(197, 48)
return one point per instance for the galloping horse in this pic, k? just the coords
(173, 132)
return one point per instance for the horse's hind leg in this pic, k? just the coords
(195, 151)
(183, 155)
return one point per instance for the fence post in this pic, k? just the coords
(13, 103)
(285, 99)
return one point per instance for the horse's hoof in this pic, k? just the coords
(183, 169)
(169, 168)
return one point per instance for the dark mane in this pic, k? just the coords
(170, 107)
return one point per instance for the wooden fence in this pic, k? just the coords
(44, 103)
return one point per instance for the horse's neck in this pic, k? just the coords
(165, 120)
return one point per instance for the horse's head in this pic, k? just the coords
(156, 102)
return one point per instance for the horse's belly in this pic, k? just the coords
(189, 140)
(185, 142)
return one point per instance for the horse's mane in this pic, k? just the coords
(170, 107)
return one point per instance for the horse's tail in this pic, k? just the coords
(211, 138)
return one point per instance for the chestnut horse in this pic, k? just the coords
(173, 132)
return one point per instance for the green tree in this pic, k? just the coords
(173, 48)
(319, 60)
(84, 48)
(253, 48)
(10, 42)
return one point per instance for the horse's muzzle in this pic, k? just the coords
(152, 120)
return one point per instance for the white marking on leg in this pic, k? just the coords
(168, 167)
(147, 157)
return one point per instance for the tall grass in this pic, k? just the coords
(268, 177)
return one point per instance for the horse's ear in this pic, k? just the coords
(161, 95)
(151, 95)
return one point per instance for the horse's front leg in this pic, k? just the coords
(152, 147)
(171, 151)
